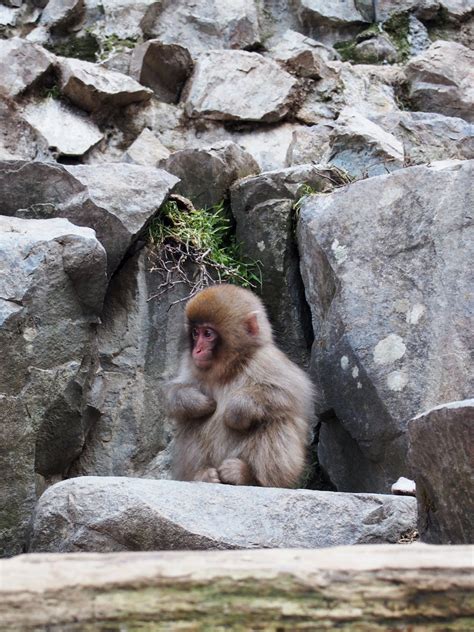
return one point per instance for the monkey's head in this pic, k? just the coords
(225, 324)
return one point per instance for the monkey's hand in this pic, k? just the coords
(209, 475)
(185, 402)
(236, 472)
(241, 412)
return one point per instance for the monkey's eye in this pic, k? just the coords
(208, 333)
(194, 333)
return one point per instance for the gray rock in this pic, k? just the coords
(385, 9)
(263, 207)
(427, 136)
(232, 86)
(21, 65)
(66, 131)
(441, 454)
(310, 145)
(51, 294)
(162, 67)
(268, 144)
(18, 139)
(117, 200)
(441, 78)
(376, 50)
(203, 25)
(387, 263)
(146, 150)
(300, 54)
(122, 18)
(418, 36)
(139, 346)
(330, 21)
(117, 514)
(362, 148)
(206, 174)
(425, 10)
(91, 87)
(368, 89)
(60, 15)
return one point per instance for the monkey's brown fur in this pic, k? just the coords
(246, 419)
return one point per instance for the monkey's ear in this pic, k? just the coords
(251, 324)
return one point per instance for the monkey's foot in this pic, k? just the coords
(235, 472)
(209, 475)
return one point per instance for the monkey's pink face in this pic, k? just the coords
(205, 341)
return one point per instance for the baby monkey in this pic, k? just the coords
(241, 407)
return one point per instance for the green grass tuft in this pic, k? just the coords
(204, 238)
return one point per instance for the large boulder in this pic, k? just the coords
(120, 514)
(138, 354)
(52, 289)
(442, 457)
(203, 25)
(441, 79)
(387, 264)
(233, 86)
(117, 200)
(263, 207)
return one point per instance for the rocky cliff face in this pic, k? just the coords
(338, 138)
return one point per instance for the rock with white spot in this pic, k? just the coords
(441, 80)
(387, 265)
(233, 86)
(263, 207)
(124, 514)
(52, 287)
(21, 65)
(66, 131)
(404, 487)
(91, 87)
(441, 454)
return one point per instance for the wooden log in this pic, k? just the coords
(413, 587)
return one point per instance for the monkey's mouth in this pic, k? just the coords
(203, 363)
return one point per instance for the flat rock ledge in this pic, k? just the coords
(98, 514)
(377, 587)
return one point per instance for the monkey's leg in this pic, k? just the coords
(236, 472)
(208, 475)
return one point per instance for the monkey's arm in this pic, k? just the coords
(243, 410)
(186, 401)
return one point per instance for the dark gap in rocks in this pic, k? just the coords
(317, 477)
